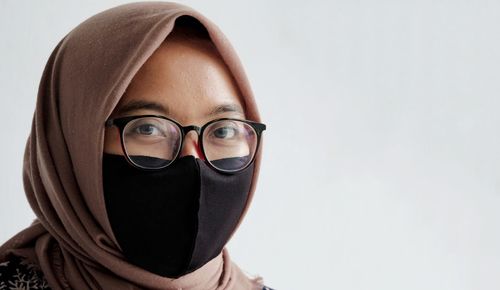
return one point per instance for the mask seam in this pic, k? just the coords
(193, 245)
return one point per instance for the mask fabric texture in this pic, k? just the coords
(174, 220)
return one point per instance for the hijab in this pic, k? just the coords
(84, 78)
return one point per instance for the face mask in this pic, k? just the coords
(174, 220)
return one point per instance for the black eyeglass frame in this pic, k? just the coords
(123, 121)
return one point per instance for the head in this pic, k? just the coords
(177, 153)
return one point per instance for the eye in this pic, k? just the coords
(226, 132)
(148, 130)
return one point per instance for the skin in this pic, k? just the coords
(188, 77)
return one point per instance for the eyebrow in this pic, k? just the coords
(142, 105)
(154, 106)
(232, 108)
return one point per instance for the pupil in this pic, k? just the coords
(146, 129)
(221, 132)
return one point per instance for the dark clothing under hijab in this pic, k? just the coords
(73, 239)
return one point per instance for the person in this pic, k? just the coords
(142, 159)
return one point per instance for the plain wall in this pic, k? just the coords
(381, 166)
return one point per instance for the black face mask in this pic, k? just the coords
(174, 220)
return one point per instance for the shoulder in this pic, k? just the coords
(16, 273)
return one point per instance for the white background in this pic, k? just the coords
(381, 164)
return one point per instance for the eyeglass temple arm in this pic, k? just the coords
(109, 123)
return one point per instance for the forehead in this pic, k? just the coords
(185, 75)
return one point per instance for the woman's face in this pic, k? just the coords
(185, 80)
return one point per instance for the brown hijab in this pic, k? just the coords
(84, 78)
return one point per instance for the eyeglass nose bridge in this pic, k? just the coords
(186, 129)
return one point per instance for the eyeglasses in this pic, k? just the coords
(153, 142)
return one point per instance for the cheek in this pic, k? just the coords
(112, 141)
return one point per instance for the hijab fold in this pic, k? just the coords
(84, 78)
